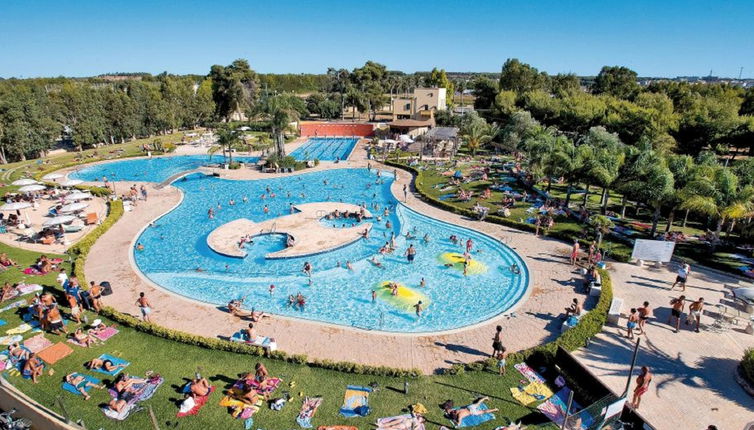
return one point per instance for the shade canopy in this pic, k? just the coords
(31, 188)
(52, 176)
(14, 206)
(73, 207)
(63, 219)
(77, 196)
(404, 138)
(744, 294)
(72, 182)
(24, 182)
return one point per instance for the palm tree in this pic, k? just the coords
(279, 111)
(715, 192)
(227, 140)
(477, 134)
(601, 225)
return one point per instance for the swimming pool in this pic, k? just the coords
(176, 256)
(325, 148)
(155, 169)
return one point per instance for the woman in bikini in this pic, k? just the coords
(105, 365)
(457, 415)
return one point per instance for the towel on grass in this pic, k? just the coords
(13, 305)
(240, 409)
(266, 387)
(53, 354)
(37, 343)
(142, 393)
(308, 409)
(116, 361)
(475, 420)
(72, 389)
(535, 391)
(28, 288)
(529, 373)
(193, 407)
(23, 328)
(106, 333)
(356, 401)
(400, 422)
(3, 322)
(7, 340)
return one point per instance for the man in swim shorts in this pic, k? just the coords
(411, 253)
(695, 312)
(677, 311)
(144, 306)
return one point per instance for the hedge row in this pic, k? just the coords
(426, 197)
(80, 250)
(241, 348)
(747, 366)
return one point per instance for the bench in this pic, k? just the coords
(613, 315)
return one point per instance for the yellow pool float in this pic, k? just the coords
(475, 266)
(404, 300)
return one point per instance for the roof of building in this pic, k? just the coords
(411, 123)
(443, 133)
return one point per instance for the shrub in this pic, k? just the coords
(747, 366)
(169, 147)
(234, 165)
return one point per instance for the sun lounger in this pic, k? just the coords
(91, 218)
(356, 402)
(116, 361)
(308, 409)
(260, 341)
(72, 389)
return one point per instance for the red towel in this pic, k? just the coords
(200, 402)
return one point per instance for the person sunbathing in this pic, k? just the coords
(106, 365)
(9, 291)
(124, 385)
(457, 415)
(199, 387)
(401, 422)
(5, 261)
(256, 316)
(33, 368)
(81, 384)
(84, 338)
(18, 352)
(234, 307)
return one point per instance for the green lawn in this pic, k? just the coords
(176, 361)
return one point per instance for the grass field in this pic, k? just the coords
(177, 361)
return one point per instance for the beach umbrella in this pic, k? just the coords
(77, 196)
(24, 182)
(12, 207)
(63, 219)
(31, 188)
(73, 207)
(744, 294)
(52, 176)
(72, 182)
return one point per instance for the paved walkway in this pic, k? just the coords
(694, 383)
(534, 321)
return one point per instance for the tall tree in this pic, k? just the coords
(280, 111)
(234, 88)
(617, 81)
(521, 77)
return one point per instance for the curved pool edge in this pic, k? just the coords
(499, 315)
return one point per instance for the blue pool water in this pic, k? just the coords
(175, 247)
(155, 169)
(325, 148)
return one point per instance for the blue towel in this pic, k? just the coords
(116, 361)
(357, 403)
(70, 388)
(475, 420)
(3, 322)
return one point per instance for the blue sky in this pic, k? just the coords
(655, 38)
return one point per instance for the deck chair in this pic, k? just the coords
(91, 218)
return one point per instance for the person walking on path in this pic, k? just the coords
(682, 277)
(146, 308)
(677, 311)
(405, 192)
(633, 322)
(645, 313)
(575, 252)
(642, 386)
(497, 343)
(695, 312)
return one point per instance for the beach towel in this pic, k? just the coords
(28, 288)
(72, 389)
(308, 409)
(356, 401)
(142, 393)
(198, 403)
(475, 420)
(528, 372)
(337, 428)
(240, 408)
(555, 410)
(535, 391)
(23, 328)
(106, 333)
(268, 386)
(33, 271)
(13, 305)
(116, 361)
(7, 340)
(53, 354)
(407, 422)
(37, 343)
(3, 322)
